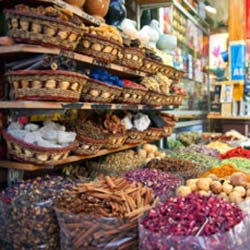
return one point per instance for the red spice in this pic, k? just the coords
(236, 152)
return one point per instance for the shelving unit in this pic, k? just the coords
(16, 49)
(223, 117)
(77, 11)
(78, 105)
(70, 159)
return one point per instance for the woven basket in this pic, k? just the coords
(154, 98)
(115, 141)
(134, 136)
(48, 31)
(171, 72)
(97, 91)
(150, 66)
(173, 100)
(89, 146)
(131, 95)
(25, 152)
(47, 85)
(132, 57)
(152, 134)
(167, 131)
(100, 48)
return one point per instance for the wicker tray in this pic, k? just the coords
(175, 100)
(134, 136)
(100, 48)
(115, 141)
(132, 57)
(36, 29)
(97, 91)
(131, 95)
(89, 146)
(152, 134)
(150, 66)
(25, 152)
(171, 72)
(47, 85)
(154, 98)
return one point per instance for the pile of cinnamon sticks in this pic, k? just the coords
(103, 214)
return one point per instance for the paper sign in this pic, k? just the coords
(238, 61)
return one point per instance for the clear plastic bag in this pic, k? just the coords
(237, 238)
(87, 232)
(32, 225)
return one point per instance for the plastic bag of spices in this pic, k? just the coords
(32, 224)
(81, 232)
(215, 225)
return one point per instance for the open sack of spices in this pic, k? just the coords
(195, 222)
(39, 144)
(103, 214)
(28, 219)
(50, 26)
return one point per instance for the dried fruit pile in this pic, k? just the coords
(163, 184)
(103, 214)
(235, 189)
(166, 226)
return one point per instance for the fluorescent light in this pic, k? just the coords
(210, 9)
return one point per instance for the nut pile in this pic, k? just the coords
(166, 226)
(29, 213)
(164, 184)
(103, 214)
(183, 168)
(233, 189)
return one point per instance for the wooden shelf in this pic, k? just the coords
(26, 48)
(70, 159)
(227, 83)
(221, 117)
(88, 19)
(78, 105)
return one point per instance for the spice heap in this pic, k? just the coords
(107, 31)
(183, 168)
(189, 138)
(163, 184)
(236, 152)
(233, 189)
(166, 225)
(158, 82)
(29, 215)
(204, 161)
(113, 164)
(202, 149)
(240, 163)
(102, 214)
(220, 146)
(50, 135)
(222, 171)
